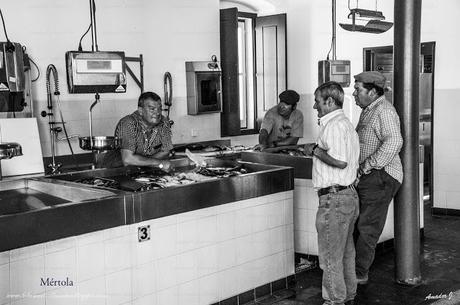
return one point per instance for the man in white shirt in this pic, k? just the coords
(335, 165)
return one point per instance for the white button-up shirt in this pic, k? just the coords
(338, 137)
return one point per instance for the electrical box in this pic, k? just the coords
(334, 70)
(12, 77)
(95, 72)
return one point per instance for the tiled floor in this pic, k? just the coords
(440, 267)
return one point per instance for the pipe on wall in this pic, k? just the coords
(406, 90)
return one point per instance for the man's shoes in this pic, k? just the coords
(362, 280)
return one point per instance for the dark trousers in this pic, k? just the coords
(375, 191)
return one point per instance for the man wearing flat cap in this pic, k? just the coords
(380, 171)
(283, 123)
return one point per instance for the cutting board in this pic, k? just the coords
(25, 132)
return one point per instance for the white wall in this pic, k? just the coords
(440, 23)
(166, 32)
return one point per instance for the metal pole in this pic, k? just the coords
(92, 11)
(334, 20)
(406, 90)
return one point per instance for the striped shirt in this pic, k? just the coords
(142, 139)
(338, 137)
(380, 138)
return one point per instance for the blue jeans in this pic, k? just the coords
(335, 220)
(375, 191)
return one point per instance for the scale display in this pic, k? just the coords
(96, 72)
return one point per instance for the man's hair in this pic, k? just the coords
(333, 90)
(379, 90)
(149, 95)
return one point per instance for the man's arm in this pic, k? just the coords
(263, 140)
(392, 141)
(314, 150)
(130, 158)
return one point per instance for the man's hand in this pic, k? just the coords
(166, 166)
(308, 148)
(260, 147)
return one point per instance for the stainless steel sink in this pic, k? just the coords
(23, 195)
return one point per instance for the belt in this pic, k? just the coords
(333, 189)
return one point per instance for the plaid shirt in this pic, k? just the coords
(141, 139)
(380, 138)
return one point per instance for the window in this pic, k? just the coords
(246, 73)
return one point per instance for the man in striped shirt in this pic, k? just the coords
(380, 170)
(145, 135)
(335, 164)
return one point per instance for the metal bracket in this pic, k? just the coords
(140, 60)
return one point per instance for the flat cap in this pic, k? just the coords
(372, 77)
(289, 97)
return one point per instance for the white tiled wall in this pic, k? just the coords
(199, 257)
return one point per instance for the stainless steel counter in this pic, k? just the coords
(302, 165)
(56, 207)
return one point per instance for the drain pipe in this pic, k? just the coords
(406, 91)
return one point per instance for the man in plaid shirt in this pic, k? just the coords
(380, 171)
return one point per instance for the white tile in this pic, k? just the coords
(312, 200)
(187, 266)
(166, 276)
(244, 249)
(300, 182)
(31, 300)
(288, 211)
(300, 197)
(244, 219)
(247, 276)
(144, 280)
(116, 232)
(4, 257)
(90, 238)
(277, 240)
(289, 236)
(301, 241)
(312, 244)
(4, 283)
(90, 261)
(262, 271)
(276, 197)
(64, 295)
(143, 252)
(92, 292)
(187, 233)
(189, 293)
(228, 286)
(276, 214)
(207, 228)
(117, 254)
(26, 275)
(61, 266)
(200, 213)
(150, 299)
(228, 207)
(27, 252)
(226, 254)
(300, 219)
(207, 260)
(118, 287)
(310, 221)
(290, 262)
(60, 244)
(168, 296)
(278, 266)
(453, 200)
(226, 226)
(208, 289)
(260, 245)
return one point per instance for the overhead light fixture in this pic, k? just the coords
(374, 24)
